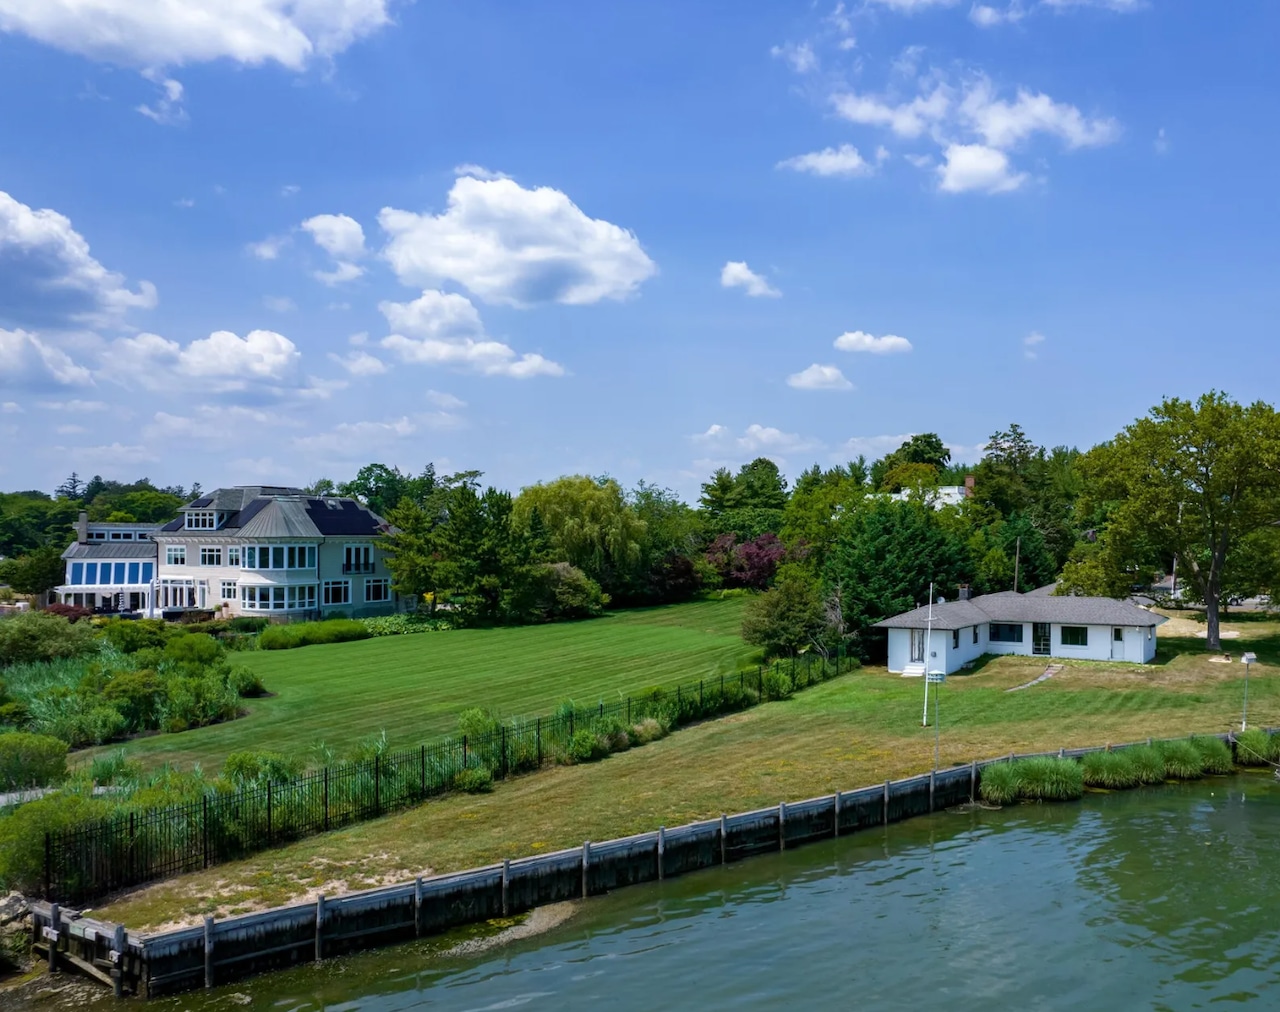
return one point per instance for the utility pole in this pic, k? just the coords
(928, 643)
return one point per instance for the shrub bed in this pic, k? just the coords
(31, 760)
(305, 634)
(1114, 771)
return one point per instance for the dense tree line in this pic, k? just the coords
(1192, 485)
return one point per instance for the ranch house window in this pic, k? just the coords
(175, 555)
(211, 556)
(955, 639)
(975, 634)
(377, 590)
(1006, 632)
(1075, 636)
(337, 592)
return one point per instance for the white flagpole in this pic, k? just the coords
(928, 642)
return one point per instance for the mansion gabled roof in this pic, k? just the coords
(1010, 606)
(275, 511)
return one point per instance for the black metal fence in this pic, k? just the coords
(144, 845)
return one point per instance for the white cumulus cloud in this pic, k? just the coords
(977, 167)
(819, 377)
(800, 56)
(444, 328)
(154, 33)
(1003, 124)
(986, 16)
(342, 238)
(857, 340)
(842, 161)
(30, 362)
(48, 276)
(360, 363)
(516, 246)
(1031, 342)
(736, 274)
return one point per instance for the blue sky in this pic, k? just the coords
(278, 241)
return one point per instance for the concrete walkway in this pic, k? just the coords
(1049, 672)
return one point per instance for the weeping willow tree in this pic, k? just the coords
(587, 522)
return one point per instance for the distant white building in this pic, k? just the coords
(256, 550)
(940, 495)
(1034, 625)
(273, 550)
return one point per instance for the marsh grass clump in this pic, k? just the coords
(999, 784)
(1182, 759)
(1049, 779)
(1255, 747)
(1148, 763)
(1215, 754)
(1115, 771)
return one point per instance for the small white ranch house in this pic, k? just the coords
(1034, 624)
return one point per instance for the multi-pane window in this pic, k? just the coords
(357, 559)
(337, 591)
(175, 555)
(1075, 635)
(233, 555)
(228, 590)
(1006, 632)
(279, 557)
(955, 639)
(278, 598)
(202, 520)
(975, 634)
(210, 556)
(377, 590)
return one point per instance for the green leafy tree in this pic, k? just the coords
(819, 499)
(590, 525)
(885, 556)
(926, 448)
(383, 488)
(35, 573)
(787, 618)
(1192, 480)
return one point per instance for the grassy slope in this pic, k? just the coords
(857, 730)
(415, 686)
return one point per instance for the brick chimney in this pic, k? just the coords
(968, 486)
(965, 592)
(82, 528)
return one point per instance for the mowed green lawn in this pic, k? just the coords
(413, 687)
(862, 728)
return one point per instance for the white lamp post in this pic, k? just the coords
(1249, 658)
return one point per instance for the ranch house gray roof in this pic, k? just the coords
(1012, 607)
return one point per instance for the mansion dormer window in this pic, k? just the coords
(202, 520)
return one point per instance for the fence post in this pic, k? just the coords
(973, 779)
(724, 839)
(662, 848)
(503, 755)
(208, 952)
(782, 825)
(538, 735)
(118, 958)
(55, 924)
(48, 865)
(326, 799)
(268, 813)
(133, 849)
(586, 866)
(417, 905)
(836, 820)
(602, 708)
(932, 775)
(506, 885)
(204, 826)
(422, 770)
(377, 785)
(464, 751)
(886, 802)
(320, 927)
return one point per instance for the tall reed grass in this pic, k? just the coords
(1114, 771)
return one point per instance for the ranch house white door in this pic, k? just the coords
(917, 646)
(1117, 644)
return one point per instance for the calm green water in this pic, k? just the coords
(1164, 899)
